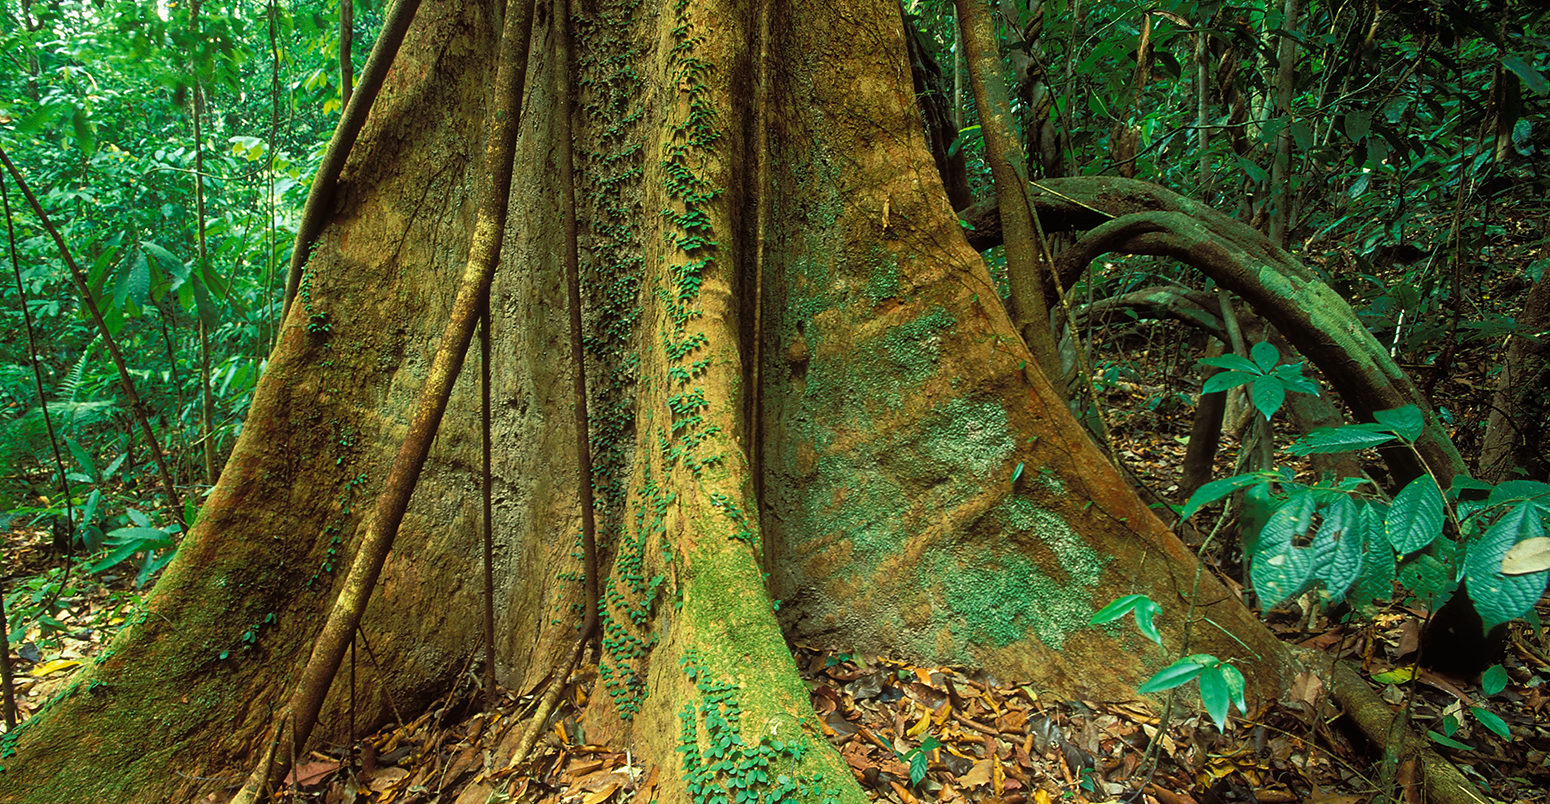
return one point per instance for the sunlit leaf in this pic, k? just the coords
(1141, 606)
(1338, 547)
(1531, 78)
(1265, 356)
(1213, 694)
(1447, 741)
(1493, 680)
(1267, 393)
(1180, 672)
(1223, 380)
(1231, 362)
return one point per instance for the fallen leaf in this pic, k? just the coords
(310, 773)
(601, 795)
(1398, 675)
(1529, 555)
(386, 778)
(50, 668)
(978, 776)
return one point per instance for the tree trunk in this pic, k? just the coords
(792, 352)
(1515, 436)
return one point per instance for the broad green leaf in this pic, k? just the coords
(1357, 125)
(139, 282)
(1493, 680)
(81, 457)
(1406, 422)
(1280, 575)
(1415, 518)
(1264, 356)
(1213, 693)
(1267, 393)
(1223, 380)
(43, 117)
(1290, 375)
(1231, 362)
(1302, 135)
(115, 466)
(89, 515)
(1350, 438)
(1117, 609)
(1514, 490)
(1235, 686)
(1428, 577)
(1499, 597)
(1216, 490)
(1376, 581)
(1529, 555)
(176, 269)
(85, 132)
(1338, 547)
(1140, 605)
(1180, 672)
(208, 312)
(1448, 741)
(141, 538)
(1525, 72)
(1018, 472)
(116, 556)
(122, 272)
(1289, 522)
(1489, 719)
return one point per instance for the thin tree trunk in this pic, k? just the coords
(1281, 190)
(1516, 433)
(1026, 271)
(346, 65)
(202, 267)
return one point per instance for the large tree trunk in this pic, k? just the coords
(797, 364)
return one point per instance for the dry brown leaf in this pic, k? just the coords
(601, 795)
(310, 773)
(385, 778)
(602, 779)
(979, 775)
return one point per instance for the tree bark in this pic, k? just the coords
(1515, 435)
(1027, 271)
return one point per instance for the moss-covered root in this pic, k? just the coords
(1442, 781)
(728, 696)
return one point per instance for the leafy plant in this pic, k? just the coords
(1269, 379)
(1221, 684)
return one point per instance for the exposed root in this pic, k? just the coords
(535, 724)
(1443, 783)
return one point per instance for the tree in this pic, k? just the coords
(804, 388)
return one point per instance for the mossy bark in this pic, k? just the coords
(797, 365)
